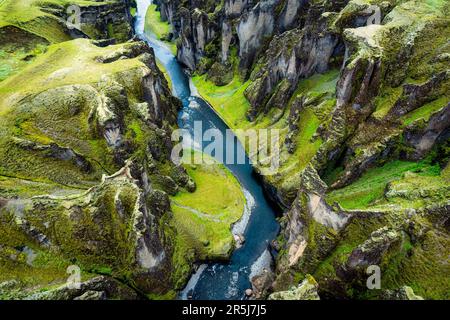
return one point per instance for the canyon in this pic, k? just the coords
(359, 90)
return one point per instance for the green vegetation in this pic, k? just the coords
(231, 105)
(166, 75)
(426, 111)
(318, 92)
(17, 50)
(386, 100)
(369, 190)
(161, 29)
(60, 116)
(204, 218)
(27, 15)
(228, 101)
(422, 265)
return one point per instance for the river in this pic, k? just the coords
(224, 280)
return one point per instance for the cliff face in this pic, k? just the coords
(85, 164)
(360, 90)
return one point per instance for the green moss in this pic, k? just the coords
(421, 266)
(232, 106)
(28, 16)
(61, 116)
(154, 25)
(319, 83)
(46, 269)
(171, 295)
(327, 268)
(306, 146)
(138, 133)
(386, 100)
(17, 50)
(57, 67)
(166, 75)
(425, 112)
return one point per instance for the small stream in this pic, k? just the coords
(224, 280)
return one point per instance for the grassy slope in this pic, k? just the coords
(17, 50)
(228, 101)
(48, 269)
(427, 23)
(65, 63)
(26, 14)
(429, 43)
(203, 218)
(154, 25)
(368, 191)
(26, 30)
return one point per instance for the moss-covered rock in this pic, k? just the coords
(307, 290)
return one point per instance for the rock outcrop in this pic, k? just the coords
(85, 146)
(360, 90)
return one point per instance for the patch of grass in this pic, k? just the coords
(421, 265)
(326, 268)
(166, 75)
(47, 269)
(310, 118)
(319, 83)
(171, 295)
(157, 27)
(204, 218)
(306, 147)
(425, 112)
(27, 15)
(228, 101)
(231, 105)
(385, 101)
(60, 116)
(64, 63)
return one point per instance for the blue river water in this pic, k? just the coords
(218, 280)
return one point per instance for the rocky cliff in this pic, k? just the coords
(85, 160)
(360, 90)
